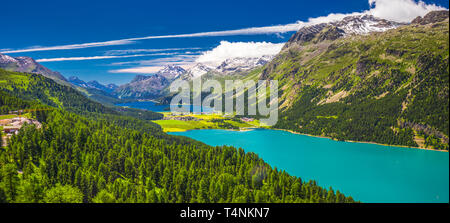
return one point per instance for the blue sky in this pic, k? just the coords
(43, 24)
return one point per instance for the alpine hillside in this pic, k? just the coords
(387, 84)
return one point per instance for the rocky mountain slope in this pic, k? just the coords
(171, 72)
(28, 65)
(155, 86)
(241, 64)
(109, 88)
(143, 87)
(351, 25)
(196, 71)
(388, 87)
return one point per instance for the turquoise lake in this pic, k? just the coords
(367, 172)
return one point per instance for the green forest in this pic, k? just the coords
(86, 152)
(390, 87)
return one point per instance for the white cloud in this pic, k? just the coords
(214, 57)
(228, 50)
(332, 17)
(72, 46)
(133, 51)
(181, 59)
(89, 58)
(246, 31)
(400, 10)
(138, 70)
(394, 10)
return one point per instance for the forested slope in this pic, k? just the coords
(36, 87)
(96, 157)
(390, 87)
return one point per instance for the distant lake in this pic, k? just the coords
(367, 172)
(152, 106)
(148, 105)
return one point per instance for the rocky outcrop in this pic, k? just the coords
(143, 87)
(330, 33)
(424, 128)
(305, 34)
(432, 17)
(171, 72)
(358, 24)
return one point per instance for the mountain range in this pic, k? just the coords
(155, 86)
(389, 87)
(351, 25)
(92, 84)
(28, 65)
(360, 78)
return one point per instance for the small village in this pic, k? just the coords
(11, 124)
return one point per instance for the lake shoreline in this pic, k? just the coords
(404, 175)
(375, 143)
(246, 129)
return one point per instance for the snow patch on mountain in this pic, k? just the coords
(350, 25)
(243, 63)
(28, 65)
(171, 71)
(364, 24)
(92, 84)
(197, 70)
(5, 59)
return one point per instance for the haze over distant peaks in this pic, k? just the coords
(92, 84)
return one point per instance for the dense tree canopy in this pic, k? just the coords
(72, 157)
(106, 158)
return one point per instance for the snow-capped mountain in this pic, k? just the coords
(4, 59)
(364, 24)
(77, 82)
(143, 87)
(242, 64)
(150, 86)
(107, 88)
(28, 65)
(197, 70)
(228, 66)
(92, 84)
(171, 72)
(350, 25)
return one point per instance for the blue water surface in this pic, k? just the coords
(367, 172)
(152, 106)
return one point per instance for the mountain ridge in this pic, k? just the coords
(350, 25)
(28, 65)
(387, 87)
(109, 88)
